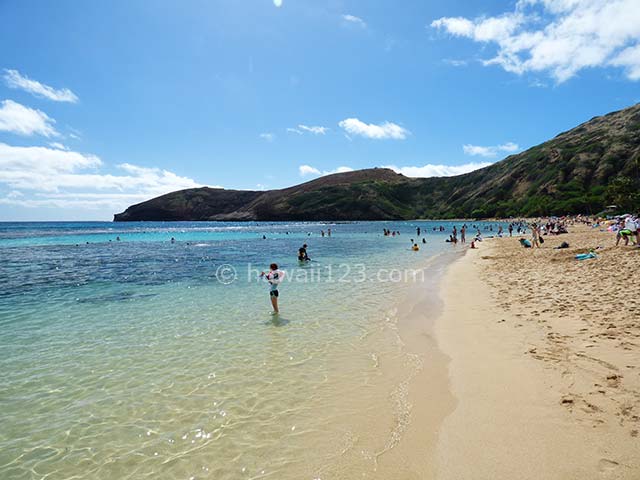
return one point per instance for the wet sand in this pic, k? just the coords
(544, 361)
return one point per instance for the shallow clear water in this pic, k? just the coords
(145, 358)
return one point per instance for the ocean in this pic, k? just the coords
(147, 358)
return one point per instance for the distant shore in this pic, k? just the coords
(545, 361)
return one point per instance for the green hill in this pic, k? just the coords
(579, 171)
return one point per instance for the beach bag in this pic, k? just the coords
(541, 240)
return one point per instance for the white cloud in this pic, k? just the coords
(269, 137)
(431, 170)
(342, 169)
(630, 59)
(277, 3)
(314, 130)
(308, 170)
(560, 37)
(492, 151)
(294, 130)
(17, 118)
(14, 79)
(62, 178)
(352, 19)
(58, 146)
(386, 130)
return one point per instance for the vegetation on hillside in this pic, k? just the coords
(580, 171)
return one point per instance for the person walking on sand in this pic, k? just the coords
(274, 278)
(535, 236)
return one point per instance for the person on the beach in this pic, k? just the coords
(463, 234)
(525, 243)
(511, 229)
(274, 278)
(631, 225)
(302, 254)
(535, 236)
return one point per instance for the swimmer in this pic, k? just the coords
(415, 247)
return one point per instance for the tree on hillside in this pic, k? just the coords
(625, 193)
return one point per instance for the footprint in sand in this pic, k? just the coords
(606, 466)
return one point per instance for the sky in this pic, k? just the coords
(107, 104)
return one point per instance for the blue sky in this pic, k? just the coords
(105, 104)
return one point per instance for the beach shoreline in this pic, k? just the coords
(539, 391)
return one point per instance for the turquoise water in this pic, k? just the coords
(142, 358)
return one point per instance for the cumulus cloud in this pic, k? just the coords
(308, 170)
(17, 118)
(63, 178)
(386, 130)
(492, 151)
(353, 20)
(559, 37)
(431, 170)
(15, 79)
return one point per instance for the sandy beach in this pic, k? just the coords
(544, 361)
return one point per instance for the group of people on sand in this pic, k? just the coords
(627, 228)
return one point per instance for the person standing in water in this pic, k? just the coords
(302, 254)
(463, 234)
(274, 278)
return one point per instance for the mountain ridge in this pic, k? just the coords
(574, 172)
